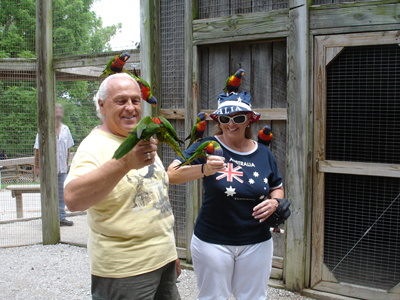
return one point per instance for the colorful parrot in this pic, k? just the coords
(144, 88)
(232, 84)
(115, 65)
(206, 148)
(142, 131)
(198, 129)
(166, 134)
(265, 135)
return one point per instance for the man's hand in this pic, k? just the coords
(138, 157)
(178, 267)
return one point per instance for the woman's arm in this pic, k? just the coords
(88, 190)
(189, 173)
(266, 208)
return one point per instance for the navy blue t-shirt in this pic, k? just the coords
(225, 216)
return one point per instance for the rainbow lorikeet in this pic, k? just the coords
(144, 88)
(265, 135)
(115, 65)
(206, 148)
(166, 134)
(142, 131)
(233, 83)
(198, 129)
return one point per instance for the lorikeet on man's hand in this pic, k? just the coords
(166, 134)
(115, 65)
(142, 131)
(198, 129)
(206, 148)
(233, 83)
(265, 135)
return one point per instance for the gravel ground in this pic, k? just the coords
(62, 272)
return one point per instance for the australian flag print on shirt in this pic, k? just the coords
(229, 196)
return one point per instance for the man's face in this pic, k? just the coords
(59, 114)
(122, 109)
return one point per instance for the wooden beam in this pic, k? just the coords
(318, 179)
(297, 144)
(96, 59)
(323, 295)
(272, 114)
(354, 29)
(14, 64)
(232, 28)
(276, 273)
(361, 39)
(358, 168)
(355, 291)
(191, 106)
(84, 71)
(351, 4)
(355, 16)
(46, 123)
(150, 54)
(277, 262)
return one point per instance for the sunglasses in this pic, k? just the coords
(238, 119)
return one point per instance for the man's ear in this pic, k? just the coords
(101, 105)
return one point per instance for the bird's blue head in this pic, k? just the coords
(202, 116)
(152, 100)
(266, 130)
(125, 56)
(239, 73)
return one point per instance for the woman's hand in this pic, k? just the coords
(214, 164)
(266, 208)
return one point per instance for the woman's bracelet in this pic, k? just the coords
(202, 169)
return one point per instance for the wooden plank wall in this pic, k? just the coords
(265, 80)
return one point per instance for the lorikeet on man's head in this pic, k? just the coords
(265, 135)
(198, 129)
(115, 65)
(206, 148)
(233, 83)
(144, 88)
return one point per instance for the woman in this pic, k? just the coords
(232, 245)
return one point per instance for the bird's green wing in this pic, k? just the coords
(142, 125)
(126, 146)
(170, 129)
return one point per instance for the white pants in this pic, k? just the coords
(225, 270)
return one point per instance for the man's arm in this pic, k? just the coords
(88, 190)
(36, 167)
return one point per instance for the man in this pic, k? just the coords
(64, 143)
(131, 239)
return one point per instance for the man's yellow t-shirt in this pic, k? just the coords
(131, 230)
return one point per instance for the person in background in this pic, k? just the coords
(64, 143)
(232, 245)
(131, 237)
(3, 155)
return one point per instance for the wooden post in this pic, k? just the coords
(191, 109)
(150, 54)
(297, 144)
(46, 122)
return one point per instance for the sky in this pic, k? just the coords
(126, 12)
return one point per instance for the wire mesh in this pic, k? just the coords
(177, 193)
(78, 30)
(20, 222)
(219, 8)
(363, 105)
(172, 53)
(172, 94)
(374, 262)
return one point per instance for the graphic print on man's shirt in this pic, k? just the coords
(150, 191)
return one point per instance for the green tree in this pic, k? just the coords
(76, 30)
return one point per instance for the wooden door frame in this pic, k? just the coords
(326, 49)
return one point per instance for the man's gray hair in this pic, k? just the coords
(102, 93)
(58, 105)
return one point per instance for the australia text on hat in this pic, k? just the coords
(226, 110)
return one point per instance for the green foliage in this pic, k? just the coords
(76, 30)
